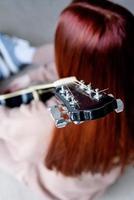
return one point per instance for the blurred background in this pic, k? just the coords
(35, 20)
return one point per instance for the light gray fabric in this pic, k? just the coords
(11, 189)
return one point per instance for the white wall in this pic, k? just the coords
(35, 20)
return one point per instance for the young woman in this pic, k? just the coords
(94, 42)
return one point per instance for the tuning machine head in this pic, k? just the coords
(94, 94)
(67, 95)
(62, 90)
(97, 94)
(81, 102)
(120, 106)
(85, 88)
(60, 115)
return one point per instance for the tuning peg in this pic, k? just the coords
(120, 106)
(73, 101)
(89, 86)
(97, 95)
(82, 85)
(81, 81)
(67, 95)
(89, 89)
(60, 115)
(86, 88)
(62, 90)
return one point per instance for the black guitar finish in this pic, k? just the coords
(79, 102)
(86, 108)
(18, 100)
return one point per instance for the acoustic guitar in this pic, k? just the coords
(78, 102)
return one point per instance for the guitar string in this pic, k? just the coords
(26, 91)
(73, 96)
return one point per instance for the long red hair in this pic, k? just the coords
(94, 41)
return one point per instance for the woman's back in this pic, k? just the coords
(25, 135)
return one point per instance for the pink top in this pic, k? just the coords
(25, 134)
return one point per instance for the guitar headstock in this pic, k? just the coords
(81, 102)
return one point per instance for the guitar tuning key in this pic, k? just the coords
(82, 85)
(62, 90)
(89, 86)
(67, 96)
(60, 115)
(73, 101)
(120, 106)
(81, 81)
(89, 89)
(97, 95)
(86, 88)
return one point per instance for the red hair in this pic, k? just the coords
(94, 41)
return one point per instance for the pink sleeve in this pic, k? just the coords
(24, 136)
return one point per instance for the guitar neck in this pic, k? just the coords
(41, 88)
